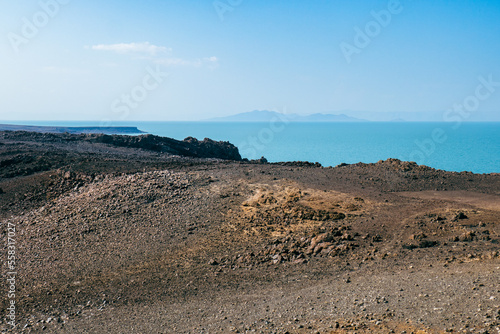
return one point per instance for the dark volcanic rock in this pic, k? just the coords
(299, 164)
(189, 147)
(210, 148)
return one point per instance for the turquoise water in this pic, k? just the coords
(470, 147)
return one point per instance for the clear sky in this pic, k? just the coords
(196, 59)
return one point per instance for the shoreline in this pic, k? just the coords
(123, 130)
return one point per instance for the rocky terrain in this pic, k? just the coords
(147, 234)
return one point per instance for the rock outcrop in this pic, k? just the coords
(189, 147)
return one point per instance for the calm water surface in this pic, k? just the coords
(470, 147)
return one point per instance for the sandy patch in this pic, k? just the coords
(479, 200)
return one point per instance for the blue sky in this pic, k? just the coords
(190, 60)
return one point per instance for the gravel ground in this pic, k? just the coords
(125, 240)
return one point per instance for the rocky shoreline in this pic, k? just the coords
(128, 130)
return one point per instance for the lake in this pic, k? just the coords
(467, 147)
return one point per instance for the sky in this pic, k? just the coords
(196, 59)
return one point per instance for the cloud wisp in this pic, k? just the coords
(158, 54)
(133, 48)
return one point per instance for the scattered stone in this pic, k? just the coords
(467, 236)
(460, 215)
(418, 236)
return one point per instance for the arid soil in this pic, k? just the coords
(114, 237)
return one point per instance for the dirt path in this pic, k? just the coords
(478, 200)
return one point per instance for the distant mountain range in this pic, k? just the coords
(355, 116)
(267, 116)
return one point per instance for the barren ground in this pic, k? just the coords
(123, 240)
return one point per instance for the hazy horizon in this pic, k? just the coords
(170, 61)
(363, 116)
